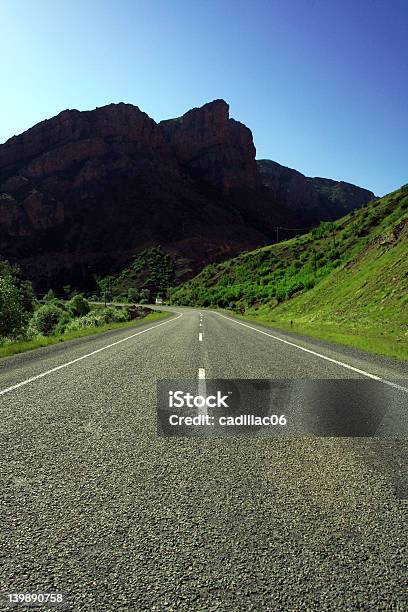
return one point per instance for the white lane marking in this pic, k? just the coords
(202, 390)
(200, 324)
(200, 337)
(68, 363)
(302, 348)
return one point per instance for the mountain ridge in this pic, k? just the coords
(83, 192)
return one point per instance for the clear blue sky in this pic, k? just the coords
(323, 84)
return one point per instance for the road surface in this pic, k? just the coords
(95, 505)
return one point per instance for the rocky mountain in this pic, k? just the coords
(83, 192)
(324, 198)
(213, 148)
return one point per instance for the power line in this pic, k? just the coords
(289, 229)
(293, 229)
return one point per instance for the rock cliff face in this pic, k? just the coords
(82, 192)
(73, 136)
(214, 148)
(323, 199)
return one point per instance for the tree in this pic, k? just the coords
(133, 295)
(27, 296)
(11, 308)
(144, 296)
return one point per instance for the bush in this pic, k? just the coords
(97, 318)
(46, 318)
(309, 282)
(115, 315)
(89, 320)
(280, 294)
(78, 306)
(324, 229)
(62, 323)
(144, 296)
(133, 295)
(28, 300)
(49, 297)
(16, 301)
(11, 308)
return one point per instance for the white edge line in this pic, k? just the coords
(68, 363)
(302, 348)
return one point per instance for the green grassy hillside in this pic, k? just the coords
(346, 281)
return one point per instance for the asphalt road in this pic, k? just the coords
(96, 505)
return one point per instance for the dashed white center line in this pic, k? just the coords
(202, 390)
(200, 337)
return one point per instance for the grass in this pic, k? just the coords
(346, 281)
(29, 345)
(368, 339)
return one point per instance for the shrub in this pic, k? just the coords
(28, 300)
(78, 306)
(89, 320)
(120, 315)
(11, 309)
(61, 326)
(97, 318)
(280, 293)
(293, 288)
(46, 318)
(144, 296)
(17, 301)
(333, 254)
(133, 295)
(324, 229)
(309, 282)
(49, 297)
